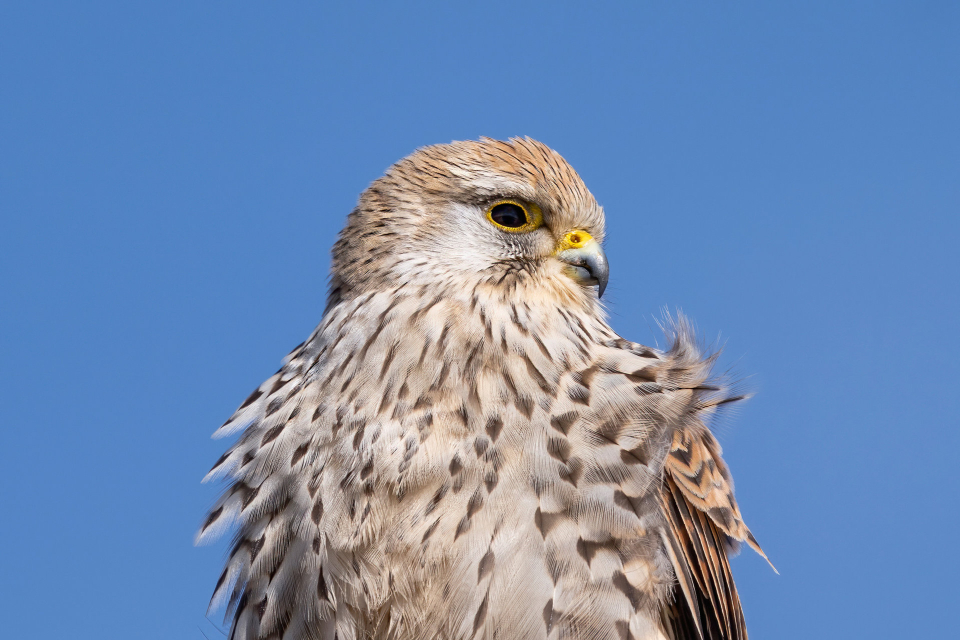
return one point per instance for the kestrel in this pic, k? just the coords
(463, 448)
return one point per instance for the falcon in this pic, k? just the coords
(463, 448)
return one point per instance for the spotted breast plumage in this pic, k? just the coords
(464, 448)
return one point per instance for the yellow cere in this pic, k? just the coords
(574, 240)
(532, 211)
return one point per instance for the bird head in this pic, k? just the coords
(454, 216)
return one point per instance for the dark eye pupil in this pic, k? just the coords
(509, 215)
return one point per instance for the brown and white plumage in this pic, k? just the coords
(464, 448)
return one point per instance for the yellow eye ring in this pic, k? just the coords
(514, 216)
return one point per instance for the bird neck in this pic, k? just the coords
(396, 346)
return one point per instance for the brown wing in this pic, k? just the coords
(704, 521)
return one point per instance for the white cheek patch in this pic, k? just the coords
(466, 241)
(461, 241)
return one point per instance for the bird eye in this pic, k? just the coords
(509, 215)
(514, 216)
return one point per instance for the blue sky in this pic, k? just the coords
(172, 176)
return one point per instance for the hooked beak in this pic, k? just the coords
(587, 263)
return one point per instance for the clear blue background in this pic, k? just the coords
(172, 176)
